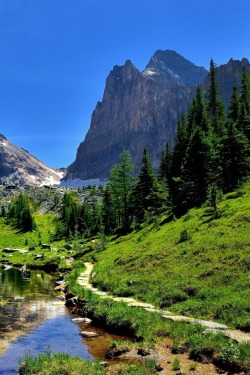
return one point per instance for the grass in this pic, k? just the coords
(148, 328)
(13, 238)
(196, 265)
(63, 364)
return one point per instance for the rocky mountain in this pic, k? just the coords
(18, 166)
(142, 108)
(169, 66)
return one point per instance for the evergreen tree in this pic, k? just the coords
(235, 158)
(180, 147)
(120, 186)
(215, 103)
(165, 168)
(198, 114)
(244, 104)
(108, 211)
(20, 214)
(234, 106)
(148, 196)
(197, 170)
(70, 214)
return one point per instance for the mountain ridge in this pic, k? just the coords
(18, 166)
(141, 109)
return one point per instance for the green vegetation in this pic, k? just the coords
(197, 265)
(148, 328)
(61, 363)
(19, 214)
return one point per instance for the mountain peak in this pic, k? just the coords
(170, 66)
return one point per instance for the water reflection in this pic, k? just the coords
(24, 303)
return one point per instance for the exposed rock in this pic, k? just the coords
(82, 320)
(18, 166)
(89, 334)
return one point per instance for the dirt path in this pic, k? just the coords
(234, 334)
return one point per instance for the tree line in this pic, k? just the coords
(211, 156)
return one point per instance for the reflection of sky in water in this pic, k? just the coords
(60, 334)
(31, 320)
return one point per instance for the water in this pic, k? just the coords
(33, 320)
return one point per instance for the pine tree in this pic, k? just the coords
(198, 114)
(20, 214)
(120, 186)
(215, 103)
(148, 196)
(180, 147)
(197, 170)
(244, 104)
(165, 168)
(108, 212)
(234, 106)
(235, 158)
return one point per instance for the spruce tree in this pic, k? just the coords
(215, 103)
(234, 106)
(235, 158)
(165, 168)
(148, 196)
(120, 186)
(197, 170)
(20, 213)
(244, 104)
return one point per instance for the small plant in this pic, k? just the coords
(193, 366)
(176, 364)
(230, 353)
(184, 236)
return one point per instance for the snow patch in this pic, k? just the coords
(60, 174)
(77, 183)
(149, 72)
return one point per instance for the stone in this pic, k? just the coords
(81, 320)
(89, 334)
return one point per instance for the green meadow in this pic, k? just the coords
(197, 265)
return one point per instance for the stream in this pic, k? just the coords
(33, 320)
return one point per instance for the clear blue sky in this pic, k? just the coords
(56, 54)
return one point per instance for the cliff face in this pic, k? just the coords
(18, 166)
(139, 109)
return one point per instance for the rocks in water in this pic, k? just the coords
(81, 320)
(89, 334)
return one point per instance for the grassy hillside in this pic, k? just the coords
(197, 265)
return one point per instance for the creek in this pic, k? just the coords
(33, 320)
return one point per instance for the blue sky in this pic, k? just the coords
(56, 54)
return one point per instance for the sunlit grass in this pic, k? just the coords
(205, 276)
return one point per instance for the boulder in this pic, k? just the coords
(89, 334)
(81, 320)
